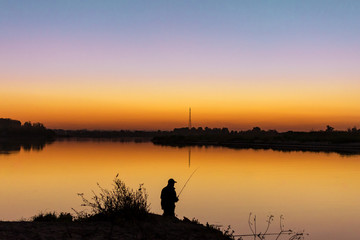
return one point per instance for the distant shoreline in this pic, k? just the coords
(14, 135)
(167, 138)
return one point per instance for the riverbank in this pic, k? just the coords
(13, 136)
(153, 227)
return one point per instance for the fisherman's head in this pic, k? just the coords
(171, 182)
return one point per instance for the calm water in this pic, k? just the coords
(316, 192)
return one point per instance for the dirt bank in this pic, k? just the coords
(154, 227)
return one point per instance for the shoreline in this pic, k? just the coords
(154, 227)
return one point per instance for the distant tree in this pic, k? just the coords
(329, 129)
(256, 129)
(27, 125)
(225, 131)
(38, 126)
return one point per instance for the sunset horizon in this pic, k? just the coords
(283, 66)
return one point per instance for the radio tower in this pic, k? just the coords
(189, 118)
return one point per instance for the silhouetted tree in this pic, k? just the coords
(27, 125)
(329, 129)
(256, 129)
(225, 131)
(38, 126)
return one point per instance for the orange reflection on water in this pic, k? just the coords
(317, 192)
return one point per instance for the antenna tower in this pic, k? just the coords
(189, 118)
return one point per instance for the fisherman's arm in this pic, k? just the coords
(176, 199)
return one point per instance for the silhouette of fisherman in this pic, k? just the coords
(169, 198)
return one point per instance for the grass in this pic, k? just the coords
(53, 217)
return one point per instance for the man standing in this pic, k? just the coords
(169, 198)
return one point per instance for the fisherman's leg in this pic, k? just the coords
(167, 212)
(172, 211)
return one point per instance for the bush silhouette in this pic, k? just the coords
(119, 202)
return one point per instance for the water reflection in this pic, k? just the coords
(14, 146)
(9, 146)
(314, 191)
(341, 149)
(189, 157)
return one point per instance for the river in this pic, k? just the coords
(315, 192)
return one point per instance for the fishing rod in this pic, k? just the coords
(187, 182)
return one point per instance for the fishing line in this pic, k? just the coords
(187, 182)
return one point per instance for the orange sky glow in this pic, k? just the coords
(165, 106)
(125, 65)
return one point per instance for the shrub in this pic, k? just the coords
(65, 217)
(53, 217)
(45, 217)
(120, 201)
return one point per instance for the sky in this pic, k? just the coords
(280, 64)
